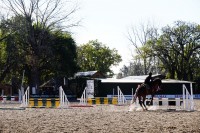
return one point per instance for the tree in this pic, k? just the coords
(9, 58)
(34, 21)
(57, 47)
(139, 37)
(136, 68)
(183, 40)
(96, 56)
(178, 48)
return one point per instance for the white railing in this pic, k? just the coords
(25, 98)
(165, 103)
(83, 100)
(64, 103)
(188, 103)
(120, 97)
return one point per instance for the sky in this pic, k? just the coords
(108, 21)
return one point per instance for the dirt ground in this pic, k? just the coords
(101, 119)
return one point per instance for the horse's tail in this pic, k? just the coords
(135, 95)
(133, 99)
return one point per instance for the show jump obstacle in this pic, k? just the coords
(119, 100)
(184, 103)
(61, 102)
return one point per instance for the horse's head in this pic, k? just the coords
(156, 84)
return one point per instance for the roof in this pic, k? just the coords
(85, 74)
(93, 74)
(143, 77)
(140, 79)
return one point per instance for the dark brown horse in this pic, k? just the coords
(143, 90)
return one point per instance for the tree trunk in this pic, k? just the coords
(34, 72)
(34, 78)
(145, 66)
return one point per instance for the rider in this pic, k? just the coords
(148, 80)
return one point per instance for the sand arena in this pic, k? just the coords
(98, 119)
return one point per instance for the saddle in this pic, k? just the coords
(146, 86)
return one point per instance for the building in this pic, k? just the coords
(129, 84)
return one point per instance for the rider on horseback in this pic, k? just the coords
(148, 81)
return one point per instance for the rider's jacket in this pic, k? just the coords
(148, 80)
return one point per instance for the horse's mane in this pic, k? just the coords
(157, 80)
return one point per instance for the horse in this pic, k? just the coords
(142, 90)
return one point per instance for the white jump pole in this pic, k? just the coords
(120, 96)
(25, 98)
(83, 100)
(183, 97)
(113, 92)
(188, 103)
(64, 103)
(20, 96)
(191, 97)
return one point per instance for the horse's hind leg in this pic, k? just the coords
(134, 99)
(140, 102)
(143, 102)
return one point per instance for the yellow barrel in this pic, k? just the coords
(57, 102)
(89, 101)
(40, 103)
(105, 101)
(31, 102)
(43, 102)
(114, 100)
(48, 103)
(97, 100)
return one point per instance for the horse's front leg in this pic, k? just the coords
(151, 102)
(152, 99)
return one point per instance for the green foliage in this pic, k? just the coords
(177, 48)
(64, 50)
(96, 56)
(42, 53)
(31, 34)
